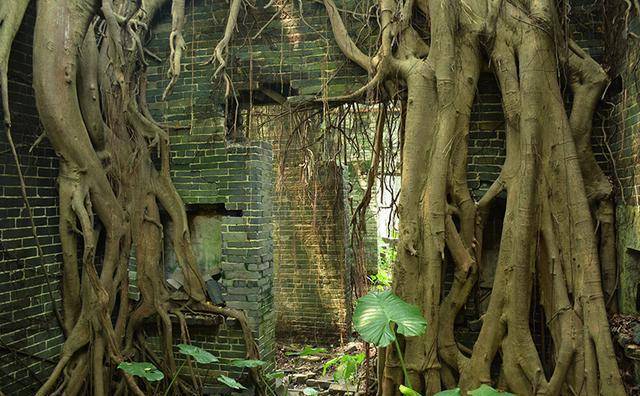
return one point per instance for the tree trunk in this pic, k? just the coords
(91, 103)
(558, 209)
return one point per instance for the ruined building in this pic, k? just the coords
(270, 193)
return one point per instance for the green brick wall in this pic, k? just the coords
(312, 289)
(624, 143)
(207, 169)
(224, 340)
(297, 52)
(297, 56)
(30, 337)
(294, 56)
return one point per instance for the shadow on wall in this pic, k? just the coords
(312, 293)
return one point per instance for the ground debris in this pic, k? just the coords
(307, 371)
(626, 332)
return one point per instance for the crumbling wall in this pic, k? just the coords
(211, 170)
(623, 52)
(293, 56)
(279, 53)
(312, 280)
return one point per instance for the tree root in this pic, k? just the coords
(110, 195)
(552, 181)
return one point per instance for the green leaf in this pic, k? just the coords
(248, 363)
(142, 369)
(329, 364)
(376, 311)
(310, 391)
(449, 392)
(274, 375)
(230, 382)
(408, 391)
(486, 390)
(347, 366)
(307, 351)
(199, 354)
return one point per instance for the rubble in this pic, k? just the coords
(307, 371)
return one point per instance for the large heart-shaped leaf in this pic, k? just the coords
(486, 390)
(449, 392)
(248, 363)
(376, 311)
(200, 355)
(142, 369)
(230, 382)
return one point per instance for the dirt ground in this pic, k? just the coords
(303, 367)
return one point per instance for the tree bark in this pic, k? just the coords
(558, 226)
(87, 95)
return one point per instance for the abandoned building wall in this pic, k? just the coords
(624, 142)
(29, 333)
(227, 180)
(312, 283)
(277, 54)
(312, 289)
(295, 57)
(232, 177)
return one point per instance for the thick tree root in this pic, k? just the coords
(110, 191)
(558, 225)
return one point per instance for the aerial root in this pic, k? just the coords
(176, 45)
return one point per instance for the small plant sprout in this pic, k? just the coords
(307, 351)
(346, 368)
(275, 375)
(406, 391)
(248, 363)
(251, 364)
(200, 355)
(310, 391)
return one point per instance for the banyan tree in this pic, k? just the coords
(557, 237)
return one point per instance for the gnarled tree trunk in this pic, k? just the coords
(558, 226)
(557, 229)
(90, 96)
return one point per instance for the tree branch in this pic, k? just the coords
(341, 35)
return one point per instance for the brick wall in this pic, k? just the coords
(222, 338)
(208, 169)
(312, 289)
(292, 46)
(29, 334)
(293, 56)
(312, 284)
(624, 142)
